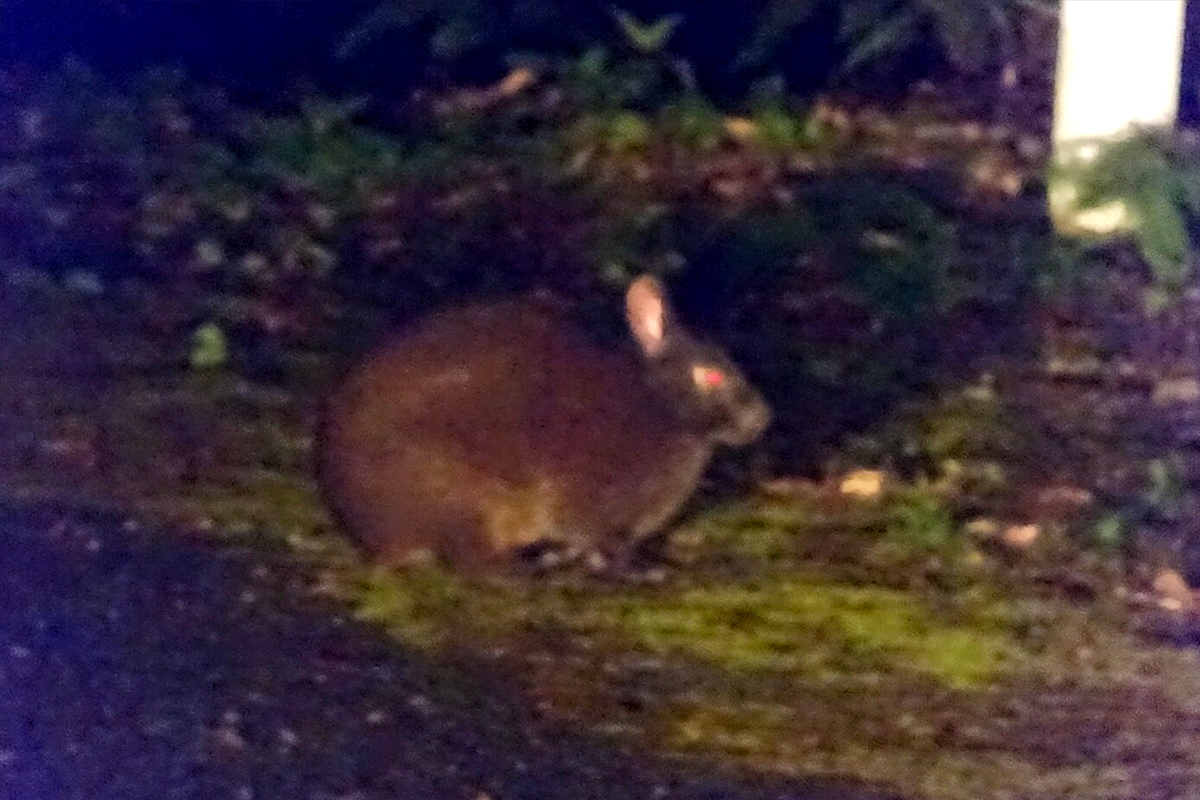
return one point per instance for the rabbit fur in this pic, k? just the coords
(490, 428)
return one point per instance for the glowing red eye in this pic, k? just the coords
(708, 378)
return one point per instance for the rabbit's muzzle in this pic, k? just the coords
(745, 425)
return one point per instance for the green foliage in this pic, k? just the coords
(537, 31)
(1110, 533)
(1156, 175)
(778, 126)
(883, 247)
(897, 248)
(637, 71)
(694, 122)
(604, 58)
(209, 349)
(973, 34)
(891, 247)
(615, 132)
(177, 175)
(921, 519)
(323, 150)
(1161, 498)
(960, 438)
(647, 38)
(620, 176)
(1165, 489)
(459, 36)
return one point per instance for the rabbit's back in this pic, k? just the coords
(494, 426)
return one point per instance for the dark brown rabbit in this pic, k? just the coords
(488, 429)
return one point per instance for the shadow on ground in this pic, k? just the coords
(140, 666)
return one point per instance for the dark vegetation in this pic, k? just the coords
(849, 196)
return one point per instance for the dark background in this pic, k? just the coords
(258, 48)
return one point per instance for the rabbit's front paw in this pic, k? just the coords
(625, 566)
(550, 556)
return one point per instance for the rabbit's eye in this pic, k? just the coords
(707, 377)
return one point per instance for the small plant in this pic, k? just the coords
(694, 123)
(638, 72)
(209, 349)
(1165, 491)
(1110, 533)
(323, 150)
(1159, 500)
(920, 519)
(777, 126)
(1155, 175)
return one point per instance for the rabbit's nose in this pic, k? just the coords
(748, 424)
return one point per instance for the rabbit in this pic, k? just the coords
(486, 430)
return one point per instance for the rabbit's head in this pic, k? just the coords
(701, 383)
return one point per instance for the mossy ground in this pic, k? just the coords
(807, 634)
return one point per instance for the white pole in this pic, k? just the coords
(1118, 66)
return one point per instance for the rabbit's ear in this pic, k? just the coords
(646, 310)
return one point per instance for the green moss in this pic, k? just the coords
(772, 529)
(414, 604)
(813, 627)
